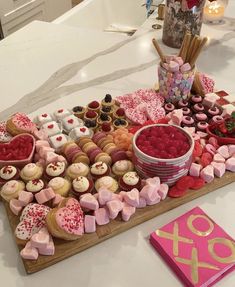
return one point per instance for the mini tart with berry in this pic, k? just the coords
(94, 106)
(100, 169)
(82, 185)
(108, 101)
(106, 127)
(54, 169)
(31, 171)
(60, 185)
(107, 110)
(79, 111)
(121, 167)
(11, 189)
(107, 182)
(35, 185)
(77, 169)
(104, 118)
(120, 123)
(129, 181)
(119, 113)
(90, 116)
(7, 173)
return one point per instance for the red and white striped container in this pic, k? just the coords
(169, 170)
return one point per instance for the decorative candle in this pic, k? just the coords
(214, 11)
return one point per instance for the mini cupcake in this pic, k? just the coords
(198, 108)
(81, 132)
(107, 110)
(108, 101)
(61, 113)
(43, 118)
(90, 116)
(187, 121)
(107, 182)
(106, 128)
(35, 185)
(79, 112)
(217, 119)
(186, 111)
(196, 99)
(54, 169)
(121, 167)
(119, 114)
(169, 107)
(200, 116)
(213, 111)
(94, 106)
(202, 126)
(82, 185)
(103, 118)
(76, 170)
(7, 173)
(31, 171)
(129, 181)
(60, 185)
(11, 189)
(120, 123)
(99, 169)
(183, 104)
(71, 122)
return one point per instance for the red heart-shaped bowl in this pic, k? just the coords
(18, 151)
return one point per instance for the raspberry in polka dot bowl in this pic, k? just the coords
(163, 150)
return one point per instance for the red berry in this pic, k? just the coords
(185, 182)
(175, 192)
(206, 159)
(198, 183)
(91, 114)
(94, 105)
(120, 112)
(106, 127)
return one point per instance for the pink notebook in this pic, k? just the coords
(196, 248)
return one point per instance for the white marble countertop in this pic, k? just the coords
(45, 66)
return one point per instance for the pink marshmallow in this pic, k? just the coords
(117, 196)
(142, 203)
(51, 157)
(153, 201)
(154, 182)
(41, 143)
(114, 207)
(210, 99)
(202, 134)
(179, 60)
(89, 222)
(163, 190)
(40, 134)
(207, 173)
(150, 194)
(132, 197)
(101, 216)
(231, 150)
(173, 66)
(25, 197)
(195, 169)
(218, 158)
(190, 130)
(230, 164)
(29, 252)
(40, 240)
(45, 195)
(15, 206)
(169, 58)
(219, 168)
(49, 249)
(104, 195)
(122, 195)
(127, 211)
(185, 68)
(36, 157)
(57, 200)
(224, 151)
(210, 148)
(89, 201)
(177, 116)
(44, 150)
(165, 66)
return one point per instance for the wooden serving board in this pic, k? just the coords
(64, 249)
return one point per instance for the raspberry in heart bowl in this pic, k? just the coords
(163, 150)
(18, 151)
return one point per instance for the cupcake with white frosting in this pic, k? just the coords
(11, 189)
(31, 171)
(82, 185)
(7, 173)
(107, 182)
(100, 169)
(35, 185)
(77, 169)
(55, 169)
(129, 181)
(121, 167)
(60, 185)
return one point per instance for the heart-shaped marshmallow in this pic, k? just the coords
(90, 225)
(223, 151)
(25, 197)
(29, 252)
(132, 197)
(127, 211)
(89, 201)
(114, 207)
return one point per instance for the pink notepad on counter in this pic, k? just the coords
(196, 248)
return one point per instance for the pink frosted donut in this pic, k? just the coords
(187, 120)
(202, 126)
(201, 116)
(186, 111)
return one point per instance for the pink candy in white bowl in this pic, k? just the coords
(163, 150)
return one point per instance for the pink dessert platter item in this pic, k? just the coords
(18, 151)
(220, 140)
(168, 169)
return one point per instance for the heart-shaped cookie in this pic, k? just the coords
(32, 219)
(18, 151)
(67, 220)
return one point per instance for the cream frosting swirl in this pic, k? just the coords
(8, 172)
(10, 187)
(55, 168)
(35, 185)
(131, 178)
(106, 181)
(78, 168)
(99, 168)
(30, 170)
(56, 182)
(121, 165)
(81, 184)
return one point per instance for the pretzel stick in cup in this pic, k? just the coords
(159, 50)
(182, 45)
(197, 53)
(186, 45)
(191, 48)
(196, 46)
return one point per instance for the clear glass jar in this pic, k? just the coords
(179, 18)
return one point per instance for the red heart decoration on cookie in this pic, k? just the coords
(18, 151)
(83, 130)
(59, 138)
(50, 126)
(60, 111)
(70, 121)
(32, 219)
(44, 115)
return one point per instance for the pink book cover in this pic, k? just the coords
(196, 248)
